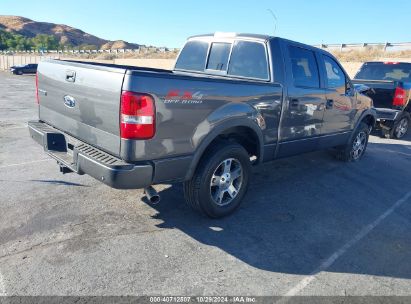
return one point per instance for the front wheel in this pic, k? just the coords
(220, 182)
(355, 148)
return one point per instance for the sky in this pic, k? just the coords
(169, 23)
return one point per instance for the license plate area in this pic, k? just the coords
(58, 147)
(55, 142)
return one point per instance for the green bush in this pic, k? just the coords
(16, 42)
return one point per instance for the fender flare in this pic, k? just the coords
(218, 130)
(405, 113)
(370, 111)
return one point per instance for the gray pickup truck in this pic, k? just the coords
(231, 102)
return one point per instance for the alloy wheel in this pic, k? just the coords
(359, 145)
(226, 181)
(402, 128)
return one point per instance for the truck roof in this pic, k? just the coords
(260, 37)
(394, 62)
(234, 35)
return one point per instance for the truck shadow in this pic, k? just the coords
(300, 211)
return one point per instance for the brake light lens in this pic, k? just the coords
(400, 97)
(137, 116)
(37, 88)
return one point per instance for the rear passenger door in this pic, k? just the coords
(340, 107)
(304, 107)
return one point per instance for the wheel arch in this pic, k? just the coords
(244, 132)
(369, 116)
(369, 120)
(406, 114)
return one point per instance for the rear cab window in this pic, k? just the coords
(234, 57)
(249, 59)
(393, 71)
(218, 57)
(193, 56)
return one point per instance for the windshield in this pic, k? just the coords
(385, 71)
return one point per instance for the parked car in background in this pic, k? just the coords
(390, 85)
(232, 101)
(30, 68)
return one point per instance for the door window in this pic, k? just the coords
(304, 68)
(335, 75)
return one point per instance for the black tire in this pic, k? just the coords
(353, 151)
(387, 133)
(400, 128)
(19, 72)
(202, 196)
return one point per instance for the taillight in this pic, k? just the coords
(400, 97)
(37, 88)
(137, 116)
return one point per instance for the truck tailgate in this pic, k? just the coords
(382, 92)
(82, 100)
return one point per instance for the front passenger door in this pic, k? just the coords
(340, 107)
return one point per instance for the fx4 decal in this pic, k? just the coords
(183, 97)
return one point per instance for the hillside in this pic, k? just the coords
(66, 35)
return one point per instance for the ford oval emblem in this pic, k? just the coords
(69, 101)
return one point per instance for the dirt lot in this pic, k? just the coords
(7, 61)
(310, 225)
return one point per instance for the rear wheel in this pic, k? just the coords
(356, 147)
(220, 182)
(399, 129)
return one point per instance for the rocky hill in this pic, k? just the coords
(64, 33)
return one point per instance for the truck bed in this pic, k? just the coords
(382, 91)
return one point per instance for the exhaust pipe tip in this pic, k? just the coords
(152, 195)
(155, 199)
